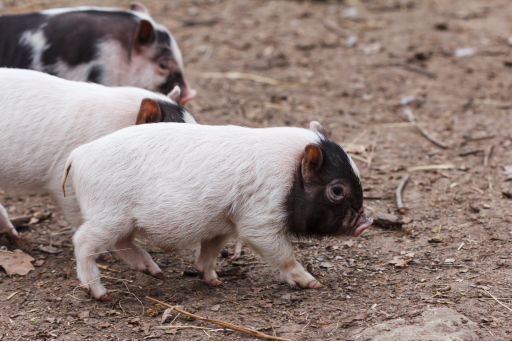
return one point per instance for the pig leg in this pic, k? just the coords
(238, 250)
(278, 251)
(206, 261)
(137, 258)
(89, 243)
(7, 228)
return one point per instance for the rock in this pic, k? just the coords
(83, 314)
(351, 41)
(464, 52)
(326, 265)
(286, 297)
(215, 307)
(440, 324)
(449, 261)
(224, 253)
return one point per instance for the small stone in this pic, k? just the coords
(286, 297)
(215, 307)
(349, 13)
(320, 259)
(3, 248)
(436, 239)
(449, 261)
(351, 41)
(224, 253)
(190, 272)
(83, 314)
(464, 52)
(326, 265)
(39, 263)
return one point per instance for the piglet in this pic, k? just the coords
(103, 45)
(43, 118)
(181, 185)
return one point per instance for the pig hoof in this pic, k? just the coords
(215, 282)
(159, 275)
(314, 284)
(105, 297)
(105, 256)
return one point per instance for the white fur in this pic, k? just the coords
(180, 185)
(36, 41)
(43, 118)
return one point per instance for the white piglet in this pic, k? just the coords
(181, 185)
(43, 118)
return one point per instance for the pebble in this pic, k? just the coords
(465, 52)
(224, 253)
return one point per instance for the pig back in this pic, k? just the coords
(195, 182)
(43, 118)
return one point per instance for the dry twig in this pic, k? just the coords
(399, 203)
(221, 323)
(186, 327)
(410, 117)
(487, 154)
(431, 167)
(243, 76)
(496, 299)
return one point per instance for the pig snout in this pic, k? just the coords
(187, 95)
(361, 224)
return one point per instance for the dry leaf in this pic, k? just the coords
(39, 263)
(49, 249)
(400, 261)
(83, 314)
(167, 314)
(17, 262)
(360, 316)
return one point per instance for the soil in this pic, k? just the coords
(455, 243)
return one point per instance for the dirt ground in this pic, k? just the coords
(458, 224)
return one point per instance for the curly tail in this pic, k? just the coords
(66, 172)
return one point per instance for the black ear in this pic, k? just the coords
(312, 161)
(145, 33)
(149, 112)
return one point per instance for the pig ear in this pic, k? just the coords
(149, 112)
(312, 161)
(138, 7)
(316, 127)
(175, 94)
(145, 33)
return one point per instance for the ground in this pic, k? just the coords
(458, 228)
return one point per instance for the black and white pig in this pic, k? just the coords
(43, 118)
(103, 45)
(181, 185)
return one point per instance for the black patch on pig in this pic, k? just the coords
(171, 112)
(172, 80)
(309, 212)
(73, 36)
(12, 53)
(163, 38)
(95, 74)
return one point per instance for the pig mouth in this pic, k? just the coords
(361, 224)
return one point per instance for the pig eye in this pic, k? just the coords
(163, 66)
(335, 192)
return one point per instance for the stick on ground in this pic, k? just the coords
(221, 323)
(435, 141)
(509, 309)
(399, 202)
(487, 154)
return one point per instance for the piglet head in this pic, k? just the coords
(326, 198)
(160, 51)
